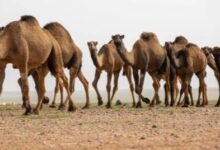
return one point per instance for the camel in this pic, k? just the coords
(72, 59)
(27, 53)
(108, 60)
(188, 61)
(149, 56)
(213, 57)
(178, 44)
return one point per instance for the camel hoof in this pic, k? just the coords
(28, 111)
(108, 106)
(52, 106)
(191, 104)
(72, 108)
(86, 106)
(133, 105)
(138, 105)
(158, 102)
(198, 105)
(185, 105)
(61, 107)
(36, 112)
(217, 105)
(46, 100)
(100, 103)
(146, 100)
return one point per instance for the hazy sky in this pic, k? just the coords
(86, 20)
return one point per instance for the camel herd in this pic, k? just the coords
(35, 51)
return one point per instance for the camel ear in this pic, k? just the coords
(122, 36)
(113, 37)
(88, 43)
(96, 43)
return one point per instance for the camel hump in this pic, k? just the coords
(147, 36)
(28, 18)
(52, 25)
(181, 40)
(191, 45)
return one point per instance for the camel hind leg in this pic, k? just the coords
(203, 87)
(108, 88)
(86, 88)
(156, 85)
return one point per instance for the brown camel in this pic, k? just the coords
(187, 61)
(147, 56)
(178, 44)
(72, 59)
(213, 57)
(28, 47)
(108, 60)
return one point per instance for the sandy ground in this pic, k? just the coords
(117, 128)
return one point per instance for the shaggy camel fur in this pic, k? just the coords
(72, 59)
(108, 60)
(147, 56)
(178, 44)
(213, 57)
(27, 52)
(187, 61)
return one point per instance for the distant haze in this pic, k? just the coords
(86, 20)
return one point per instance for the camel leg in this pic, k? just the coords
(71, 105)
(180, 97)
(94, 83)
(72, 73)
(128, 75)
(218, 79)
(53, 104)
(140, 87)
(167, 91)
(41, 71)
(36, 81)
(86, 88)
(108, 88)
(173, 85)
(116, 75)
(186, 78)
(2, 75)
(156, 86)
(191, 95)
(203, 87)
(25, 89)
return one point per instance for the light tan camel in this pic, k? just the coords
(149, 56)
(72, 59)
(213, 57)
(108, 60)
(27, 46)
(187, 61)
(178, 44)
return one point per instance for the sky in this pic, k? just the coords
(98, 20)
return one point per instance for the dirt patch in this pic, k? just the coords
(117, 128)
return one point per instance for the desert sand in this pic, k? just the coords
(122, 127)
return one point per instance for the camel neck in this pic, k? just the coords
(95, 58)
(126, 56)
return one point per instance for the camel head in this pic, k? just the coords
(180, 40)
(118, 39)
(92, 45)
(207, 50)
(2, 29)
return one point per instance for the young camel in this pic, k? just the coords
(178, 44)
(108, 60)
(147, 56)
(187, 61)
(213, 58)
(27, 52)
(72, 59)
